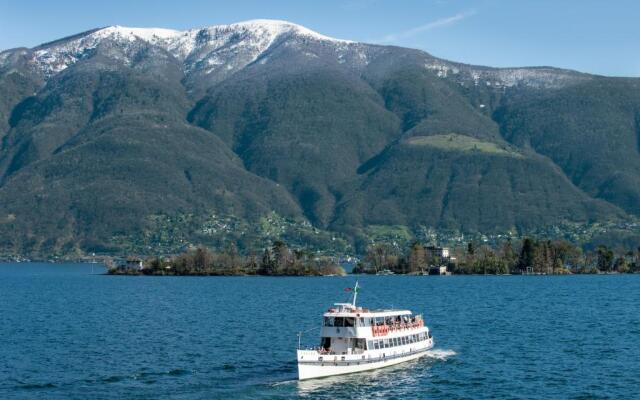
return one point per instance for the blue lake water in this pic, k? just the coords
(69, 334)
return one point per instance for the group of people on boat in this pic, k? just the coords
(393, 322)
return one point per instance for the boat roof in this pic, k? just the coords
(347, 310)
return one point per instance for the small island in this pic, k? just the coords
(526, 257)
(278, 260)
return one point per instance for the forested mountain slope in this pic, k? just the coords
(106, 130)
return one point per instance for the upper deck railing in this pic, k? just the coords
(385, 329)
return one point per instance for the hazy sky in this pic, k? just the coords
(600, 37)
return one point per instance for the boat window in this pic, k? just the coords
(376, 344)
(386, 343)
(349, 322)
(404, 340)
(370, 345)
(395, 341)
(359, 344)
(329, 321)
(339, 321)
(325, 343)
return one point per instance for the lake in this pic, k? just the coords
(68, 333)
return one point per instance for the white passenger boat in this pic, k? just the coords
(356, 339)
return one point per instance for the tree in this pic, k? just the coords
(267, 265)
(509, 256)
(527, 255)
(621, 265)
(605, 258)
(470, 259)
(565, 255)
(203, 260)
(229, 260)
(417, 258)
(377, 257)
(471, 248)
(281, 256)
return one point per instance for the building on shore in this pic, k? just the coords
(436, 252)
(438, 258)
(439, 270)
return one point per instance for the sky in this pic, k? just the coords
(601, 37)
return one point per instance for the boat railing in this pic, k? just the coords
(324, 352)
(385, 329)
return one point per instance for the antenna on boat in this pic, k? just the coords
(355, 293)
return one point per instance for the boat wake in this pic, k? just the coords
(440, 354)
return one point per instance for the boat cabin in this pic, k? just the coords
(347, 329)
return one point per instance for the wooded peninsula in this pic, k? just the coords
(529, 256)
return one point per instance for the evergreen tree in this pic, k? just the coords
(527, 255)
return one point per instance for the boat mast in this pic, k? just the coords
(355, 294)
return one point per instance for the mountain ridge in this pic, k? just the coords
(260, 116)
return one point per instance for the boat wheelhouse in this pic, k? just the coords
(355, 339)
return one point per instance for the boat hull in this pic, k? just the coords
(311, 370)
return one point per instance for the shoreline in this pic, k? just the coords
(108, 273)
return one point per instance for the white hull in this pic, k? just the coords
(329, 367)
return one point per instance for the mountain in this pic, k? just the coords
(108, 131)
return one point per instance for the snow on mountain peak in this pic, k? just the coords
(254, 36)
(147, 34)
(278, 27)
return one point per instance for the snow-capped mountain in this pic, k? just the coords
(216, 52)
(221, 47)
